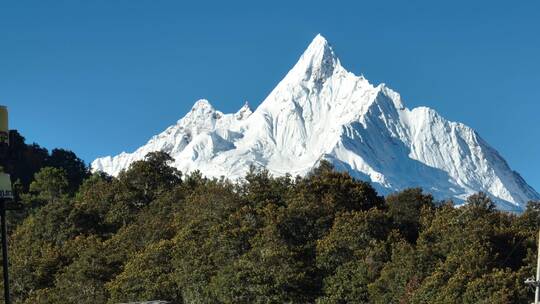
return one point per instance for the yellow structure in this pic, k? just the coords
(5, 180)
(4, 127)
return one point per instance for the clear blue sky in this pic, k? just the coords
(100, 77)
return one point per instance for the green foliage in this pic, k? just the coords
(23, 161)
(150, 234)
(352, 254)
(49, 184)
(139, 282)
(397, 278)
(405, 208)
(480, 203)
(268, 273)
(82, 281)
(350, 238)
(76, 170)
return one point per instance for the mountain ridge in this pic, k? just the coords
(321, 110)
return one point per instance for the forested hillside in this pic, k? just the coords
(152, 233)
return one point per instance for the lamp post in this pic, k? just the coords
(6, 195)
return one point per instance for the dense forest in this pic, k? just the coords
(154, 233)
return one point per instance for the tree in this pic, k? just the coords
(260, 188)
(405, 208)
(206, 238)
(23, 161)
(397, 277)
(349, 284)
(480, 203)
(141, 184)
(500, 287)
(147, 179)
(147, 276)
(82, 280)
(352, 255)
(75, 169)
(270, 272)
(323, 167)
(92, 203)
(50, 184)
(339, 191)
(350, 236)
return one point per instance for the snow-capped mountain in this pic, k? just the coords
(322, 111)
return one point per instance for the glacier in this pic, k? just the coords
(319, 110)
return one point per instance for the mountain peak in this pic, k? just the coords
(244, 112)
(318, 61)
(202, 111)
(319, 42)
(202, 104)
(321, 111)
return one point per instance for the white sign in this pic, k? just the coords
(5, 186)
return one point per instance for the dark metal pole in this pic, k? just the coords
(4, 144)
(4, 251)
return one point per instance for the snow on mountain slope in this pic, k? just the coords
(321, 111)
